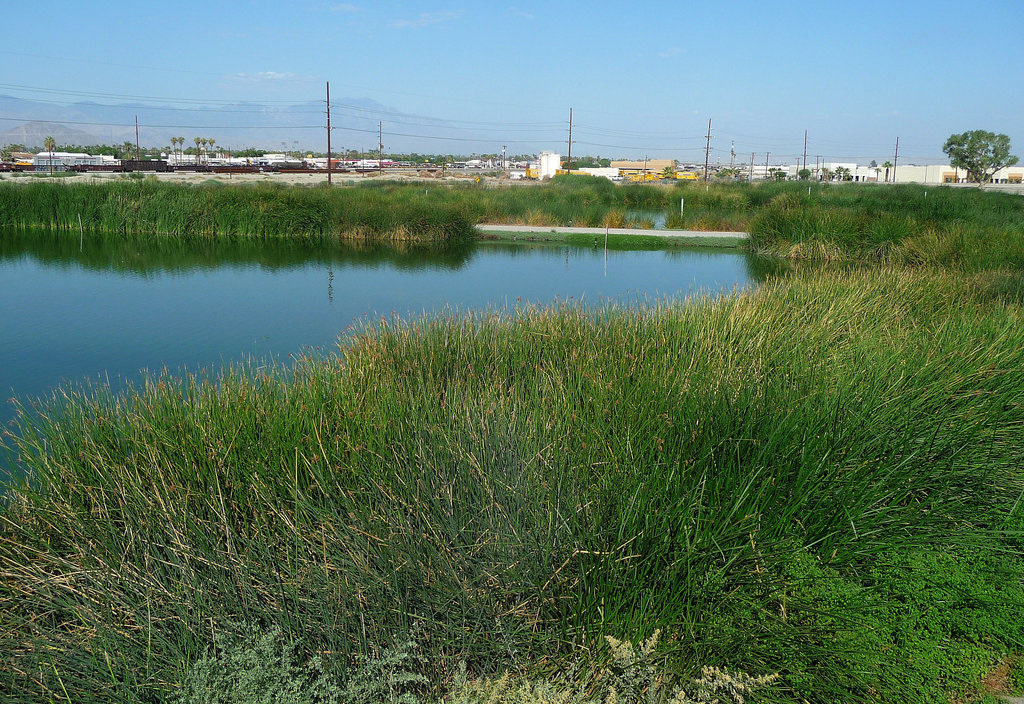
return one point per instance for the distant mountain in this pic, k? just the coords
(33, 134)
(238, 125)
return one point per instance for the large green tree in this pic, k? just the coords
(980, 153)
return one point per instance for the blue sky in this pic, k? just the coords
(641, 77)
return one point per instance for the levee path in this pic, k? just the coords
(548, 233)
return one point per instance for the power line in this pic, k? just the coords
(471, 137)
(94, 94)
(176, 127)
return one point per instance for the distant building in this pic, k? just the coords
(183, 159)
(548, 164)
(22, 158)
(608, 172)
(61, 161)
(944, 173)
(934, 174)
(649, 166)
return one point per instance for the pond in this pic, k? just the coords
(110, 310)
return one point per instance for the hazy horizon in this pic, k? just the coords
(455, 78)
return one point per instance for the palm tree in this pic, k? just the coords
(887, 165)
(205, 141)
(212, 140)
(196, 140)
(49, 145)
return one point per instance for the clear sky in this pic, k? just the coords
(643, 78)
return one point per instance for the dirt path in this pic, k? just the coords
(612, 231)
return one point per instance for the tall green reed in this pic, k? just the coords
(521, 484)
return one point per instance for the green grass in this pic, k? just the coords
(907, 225)
(819, 478)
(146, 208)
(915, 225)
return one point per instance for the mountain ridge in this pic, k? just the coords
(235, 125)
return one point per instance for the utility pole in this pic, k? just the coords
(569, 158)
(750, 174)
(805, 150)
(766, 155)
(707, 152)
(732, 154)
(137, 159)
(380, 146)
(894, 158)
(504, 163)
(328, 133)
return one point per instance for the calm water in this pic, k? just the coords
(113, 310)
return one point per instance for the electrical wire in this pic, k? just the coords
(465, 131)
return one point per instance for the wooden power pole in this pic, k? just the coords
(895, 157)
(568, 160)
(328, 133)
(805, 151)
(707, 152)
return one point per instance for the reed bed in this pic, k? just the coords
(147, 209)
(910, 225)
(906, 225)
(781, 480)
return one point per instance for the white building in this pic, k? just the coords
(944, 173)
(933, 174)
(60, 161)
(278, 160)
(609, 172)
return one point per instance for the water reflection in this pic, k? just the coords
(170, 254)
(109, 308)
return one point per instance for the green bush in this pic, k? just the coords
(253, 666)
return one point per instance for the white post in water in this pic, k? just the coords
(81, 234)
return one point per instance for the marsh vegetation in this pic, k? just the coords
(818, 479)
